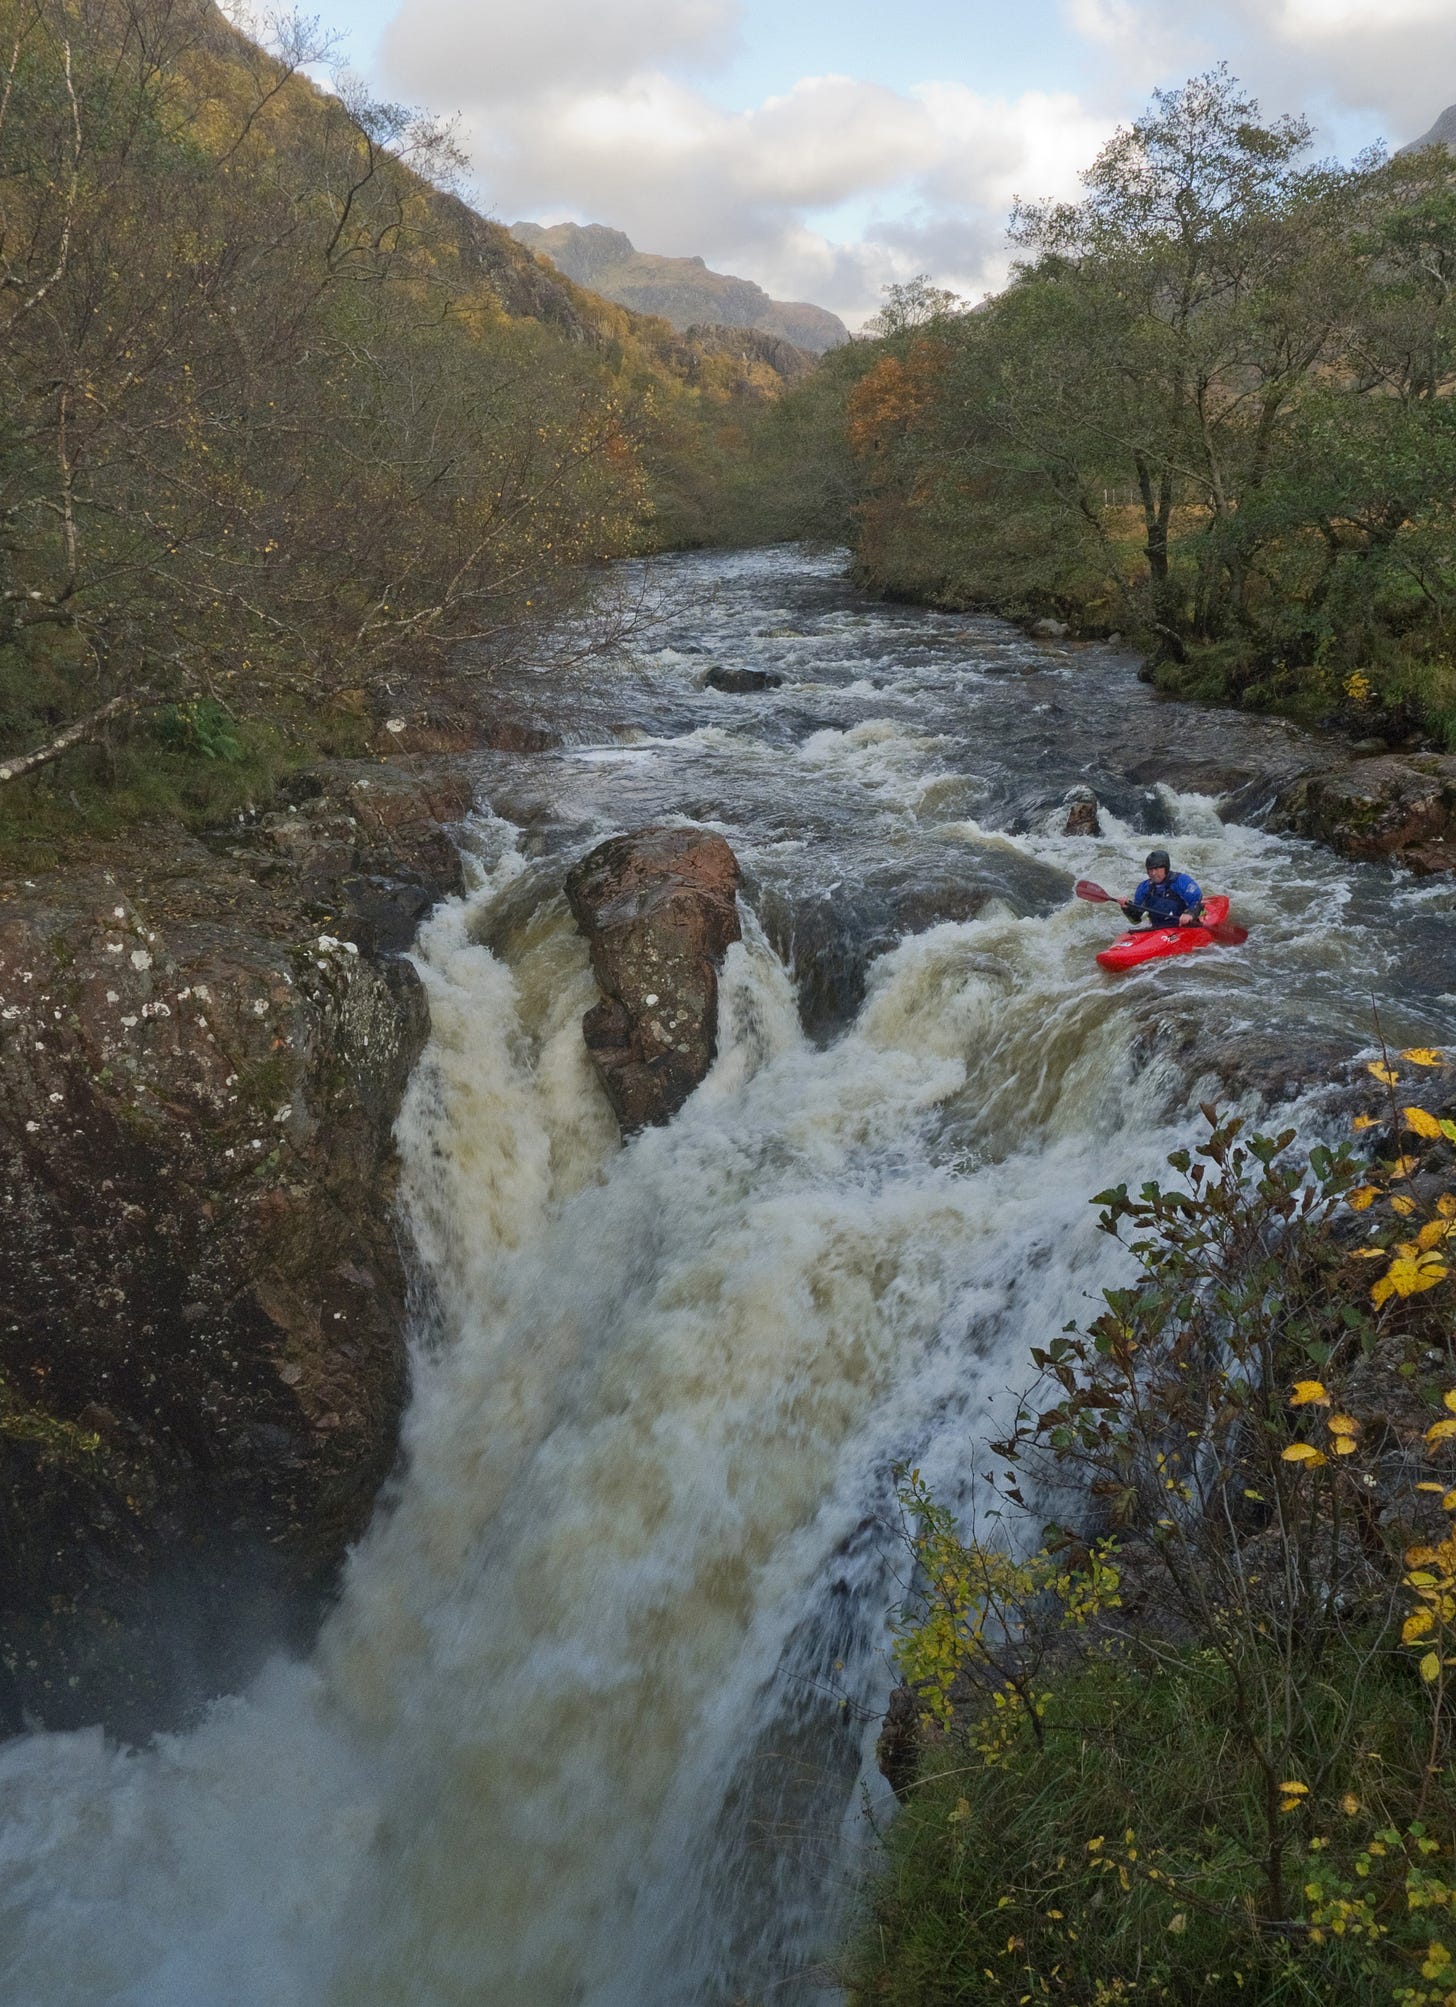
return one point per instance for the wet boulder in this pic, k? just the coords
(202, 1356)
(1403, 809)
(742, 682)
(659, 909)
(831, 936)
(1082, 818)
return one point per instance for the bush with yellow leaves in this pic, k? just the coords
(1270, 1730)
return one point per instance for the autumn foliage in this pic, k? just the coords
(1207, 1714)
(282, 417)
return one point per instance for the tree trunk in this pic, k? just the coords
(74, 735)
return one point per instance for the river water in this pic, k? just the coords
(592, 1723)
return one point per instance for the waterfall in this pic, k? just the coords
(591, 1723)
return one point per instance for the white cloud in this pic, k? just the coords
(440, 50)
(1390, 62)
(827, 190)
(1296, 18)
(836, 185)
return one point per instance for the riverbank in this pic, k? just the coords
(1207, 1721)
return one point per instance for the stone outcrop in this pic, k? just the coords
(742, 682)
(659, 910)
(1403, 809)
(683, 291)
(1082, 817)
(202, 1301)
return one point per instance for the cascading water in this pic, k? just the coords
(574, 1733)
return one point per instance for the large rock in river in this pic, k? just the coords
(659, 909)
(1401, 808)
(202, 1299)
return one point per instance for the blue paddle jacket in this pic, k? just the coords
(1164, 904)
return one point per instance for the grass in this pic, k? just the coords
(158, 772)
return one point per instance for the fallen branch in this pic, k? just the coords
(74, 735)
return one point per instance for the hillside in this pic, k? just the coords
(233, 301)
(1442, 133)
(682, 290)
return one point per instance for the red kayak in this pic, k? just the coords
(1147, 944)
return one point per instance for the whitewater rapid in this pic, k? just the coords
(592, 1723)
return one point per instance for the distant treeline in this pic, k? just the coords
(1212, 410)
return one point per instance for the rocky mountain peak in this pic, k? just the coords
(685, 292)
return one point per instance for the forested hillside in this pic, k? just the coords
(282, 420)
(1211, 411)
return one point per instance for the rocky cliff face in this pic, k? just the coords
(202, 1296)
(681, 291)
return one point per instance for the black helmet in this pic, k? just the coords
(1157, 860)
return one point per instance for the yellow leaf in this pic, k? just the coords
(1416, 1625)
(1386, 1075)
(1307, 1392)
(1361, 1197)
(1446, 1205)
(1448, 1400)
(1343, 1445)
(1367, 1254)
(1422, 1055)
(1433, 1233)
(1349, 1804)
(1403, 1166)
(1294, 1789)
(1416, 1557)
(1366, 1122)
(1343, 1425)
(1431, 1666)
(1431, 1487)
(1403, 1204)
(1305, 1453)
(1421, 1122)
(1441, 1432)
(1408, 1274)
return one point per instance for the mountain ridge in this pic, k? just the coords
(685, 292)
(1442, 133)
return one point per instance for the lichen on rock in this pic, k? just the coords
(203, 1048)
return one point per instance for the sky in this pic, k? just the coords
(828, 148)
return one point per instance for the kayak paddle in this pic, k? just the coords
(1225, 932)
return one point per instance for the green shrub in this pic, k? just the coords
(1246, 1789)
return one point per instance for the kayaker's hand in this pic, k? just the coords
(1187, 919)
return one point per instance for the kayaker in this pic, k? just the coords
(1165, 898)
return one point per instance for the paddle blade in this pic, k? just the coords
(1085, 889)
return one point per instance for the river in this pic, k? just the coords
(592, 1723)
